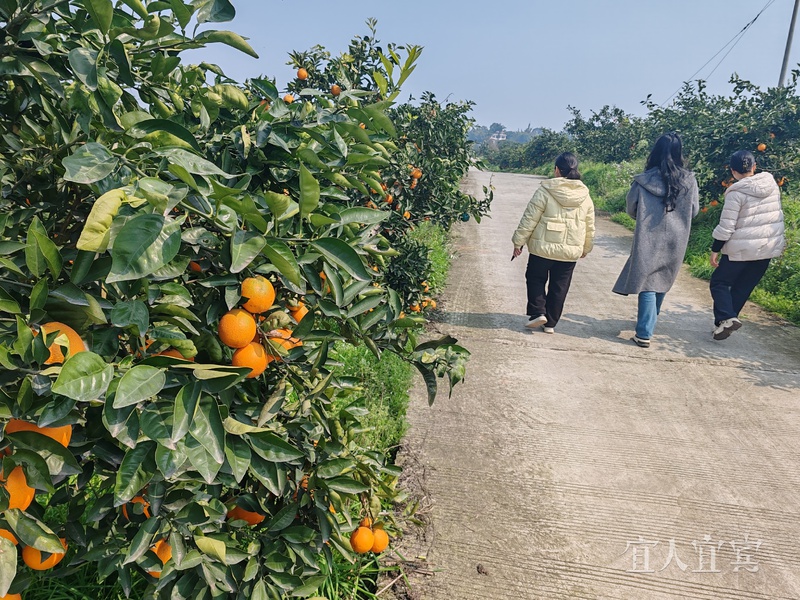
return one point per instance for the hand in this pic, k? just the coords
(583, 255)
(517, 252)
(714, 259)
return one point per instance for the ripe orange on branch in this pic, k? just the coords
(260, 294)
(74, 340)
(237, 513)
(163, 551)
(19, 492)
(33, 557)
(253, 356)
(237, 328)
(761, 147)
(361, 540)
(336, 90)
(380, 541)
(302, 74)
(61, 434)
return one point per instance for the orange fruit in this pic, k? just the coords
(259, 293)
(74, 341)
(389, 198)
(174, 353)
(61, 434)
(704, 209)
(237, 513)
(19, 492)
(298, 312)
(361, 540)
(406, 215)
(236, 328)
(365, 522)
(137, 500)
(195, 267)
(33, 557)
(163, 551)
(11, 597)
(781, 181)
(254, 356)
(284, 338)
(336, 90)
(416, 173)
(5, 533)
(362, 125)
(433, 304)
(288, 98)
(761, 147)
(302, 74)
(714, 203)
(415, 307)
(380, 541)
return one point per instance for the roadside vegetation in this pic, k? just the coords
(212, 294)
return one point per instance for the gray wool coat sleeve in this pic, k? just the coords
(660, 237)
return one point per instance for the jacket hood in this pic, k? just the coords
(652, 181)
(567, 192)
(760, 185)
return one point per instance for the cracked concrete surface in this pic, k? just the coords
(578, 465)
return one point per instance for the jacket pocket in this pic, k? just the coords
(576, 235)
(555, 232)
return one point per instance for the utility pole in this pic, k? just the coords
(788, 44)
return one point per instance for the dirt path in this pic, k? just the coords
(578, 465)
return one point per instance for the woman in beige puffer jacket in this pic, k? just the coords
(558, 228)
(750, 234)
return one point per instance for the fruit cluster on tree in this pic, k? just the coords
(178, 254)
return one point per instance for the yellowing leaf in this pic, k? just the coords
(96, 232)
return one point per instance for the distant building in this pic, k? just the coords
(500, 136)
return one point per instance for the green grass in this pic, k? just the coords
(437, 241)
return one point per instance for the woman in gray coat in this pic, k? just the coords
(663, 200)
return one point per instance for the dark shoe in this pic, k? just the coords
(724, 330)
(642, 343)
(535, 322)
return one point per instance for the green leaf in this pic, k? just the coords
(144, 244)
(210, 546)
(84, 64)
(84, 377)
(280, 255)
(40, 251)
(309, 192)
(335, 467)
(208, 430)
(214, 11)
(191, 162)
(135, 472)
(8, 565)
(33, 532)
(342, 254)
(137, 7)
(283, 518)
(273, 448)
(186, 402)
(89, 163)
(182, 12)
(245, 246)
(101, 12)
(143, 128)
(60, 461)
(278, 203)
(367, 216)
(238, 454)
(139, 384)
(131, 313)
(346, 485)
(8, 304)
(234, 40)
(97, 229)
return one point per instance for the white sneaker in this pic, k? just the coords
(549, 329)
(536, 322)
(724, 330)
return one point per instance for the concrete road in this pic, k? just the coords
(578, 465)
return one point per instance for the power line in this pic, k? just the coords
(734, 40)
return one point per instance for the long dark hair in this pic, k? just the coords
(667, 156)
(567, 164)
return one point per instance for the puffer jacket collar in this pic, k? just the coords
(652, 181)
(760, 185)
(569, 193)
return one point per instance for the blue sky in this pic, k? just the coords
(524, 62)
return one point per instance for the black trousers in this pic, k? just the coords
(549, 303)
(732, 283)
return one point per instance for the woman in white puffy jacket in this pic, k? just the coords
(750, 234)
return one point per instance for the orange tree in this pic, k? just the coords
(143, 199)
(421, 160)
